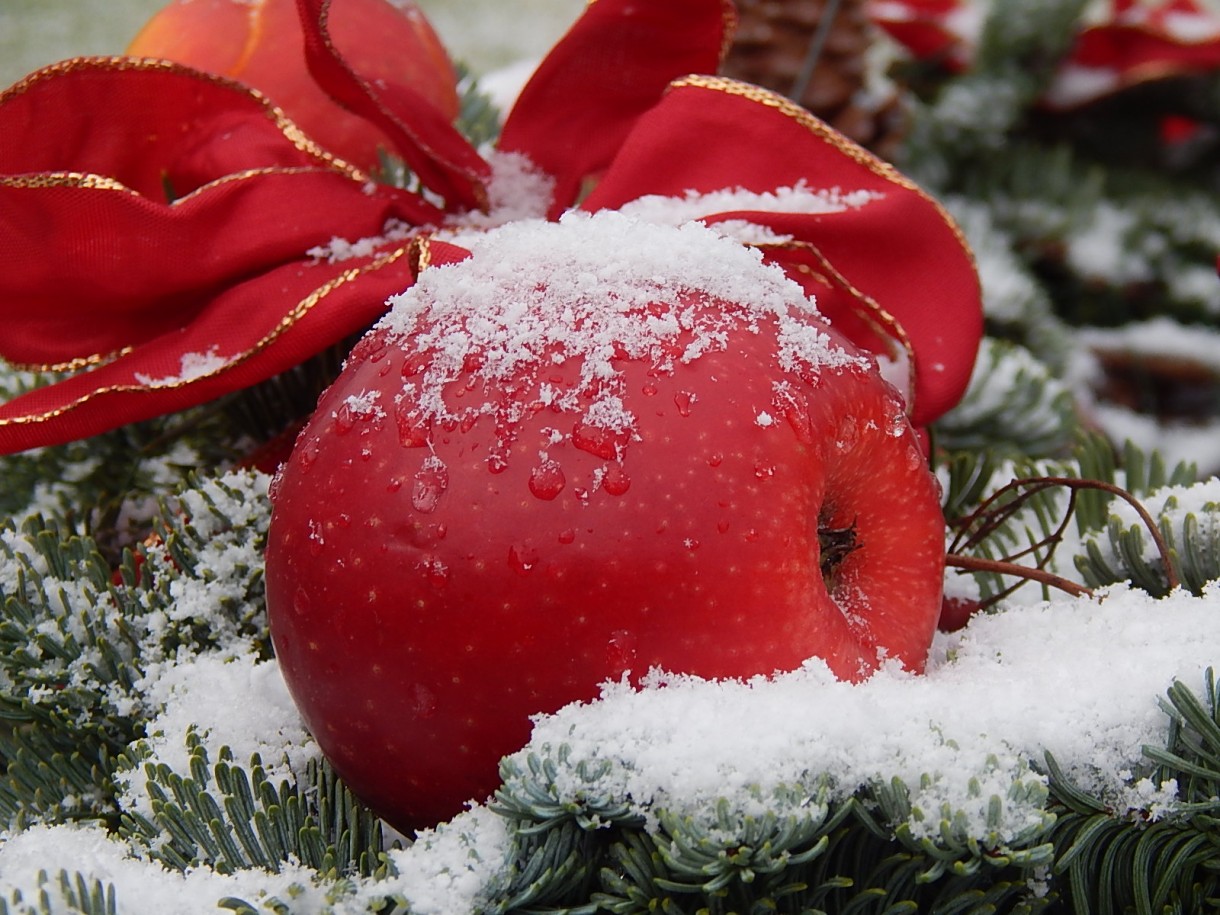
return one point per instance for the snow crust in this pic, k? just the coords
(1077, 678)
(236, 702)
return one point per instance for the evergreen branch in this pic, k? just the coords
(229, 818)
(1149, 861)
(68, 894)
(1186, 550)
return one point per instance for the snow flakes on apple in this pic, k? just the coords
(545, 468)
(590, 290)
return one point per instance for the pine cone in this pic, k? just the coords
(770, 48)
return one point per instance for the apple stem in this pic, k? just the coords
(1004, 567)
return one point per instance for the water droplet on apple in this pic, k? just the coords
(599, 441)
(308, 454)
(412, 426)
(615, 480)
(715, 459)
(848, 434)
(497, 462)
(371, 347)
(898, 423)
(683, 401)
(547, 480)
(649, 389)
(691, 544)
(345, 419)
(434, 571)
(523, 557)
(567, 536)
(394, 485)
(430, 483)
(414, 363)
(621, 651)
(722, 525)
(763, 470)
(796, 411)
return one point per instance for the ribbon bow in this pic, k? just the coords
(157, 222)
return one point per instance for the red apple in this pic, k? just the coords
(260, 43)
(956, 611)
(590, 449)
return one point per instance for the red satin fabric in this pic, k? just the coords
(156, 222)
(901, 256)
(611, 67)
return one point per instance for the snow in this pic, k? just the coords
(237, 702)
(452, 868)
(338, 249)
(589, 288)
(796, 199)
(999, 694)
(191, 366)
(139, 886)
(1079, 678)
(1160, 336)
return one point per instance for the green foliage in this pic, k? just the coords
(479, 119)
(1150, 860)
(1113, 226)
(811, 850)
(103, 577)
(1125, 549)
(1014, 404)
(68, 658)
(68, 894)
(1023, 510)
(229, 817)
(77, 635)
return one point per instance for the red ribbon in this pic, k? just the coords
(155, 221)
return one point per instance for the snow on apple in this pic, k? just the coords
(574, 486)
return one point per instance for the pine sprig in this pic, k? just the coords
(1124, 551)
(230, 817)
(1014, 405)
(1161, 860)
(69, 661)
(67, 894)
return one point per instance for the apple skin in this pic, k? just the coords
(261, 44)
(429, 593)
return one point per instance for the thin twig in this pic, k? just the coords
(993, 518)
(816, 44)
(979, 564)
(1171, 575)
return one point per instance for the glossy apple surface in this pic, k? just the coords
(590, 449)
(260, 43)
